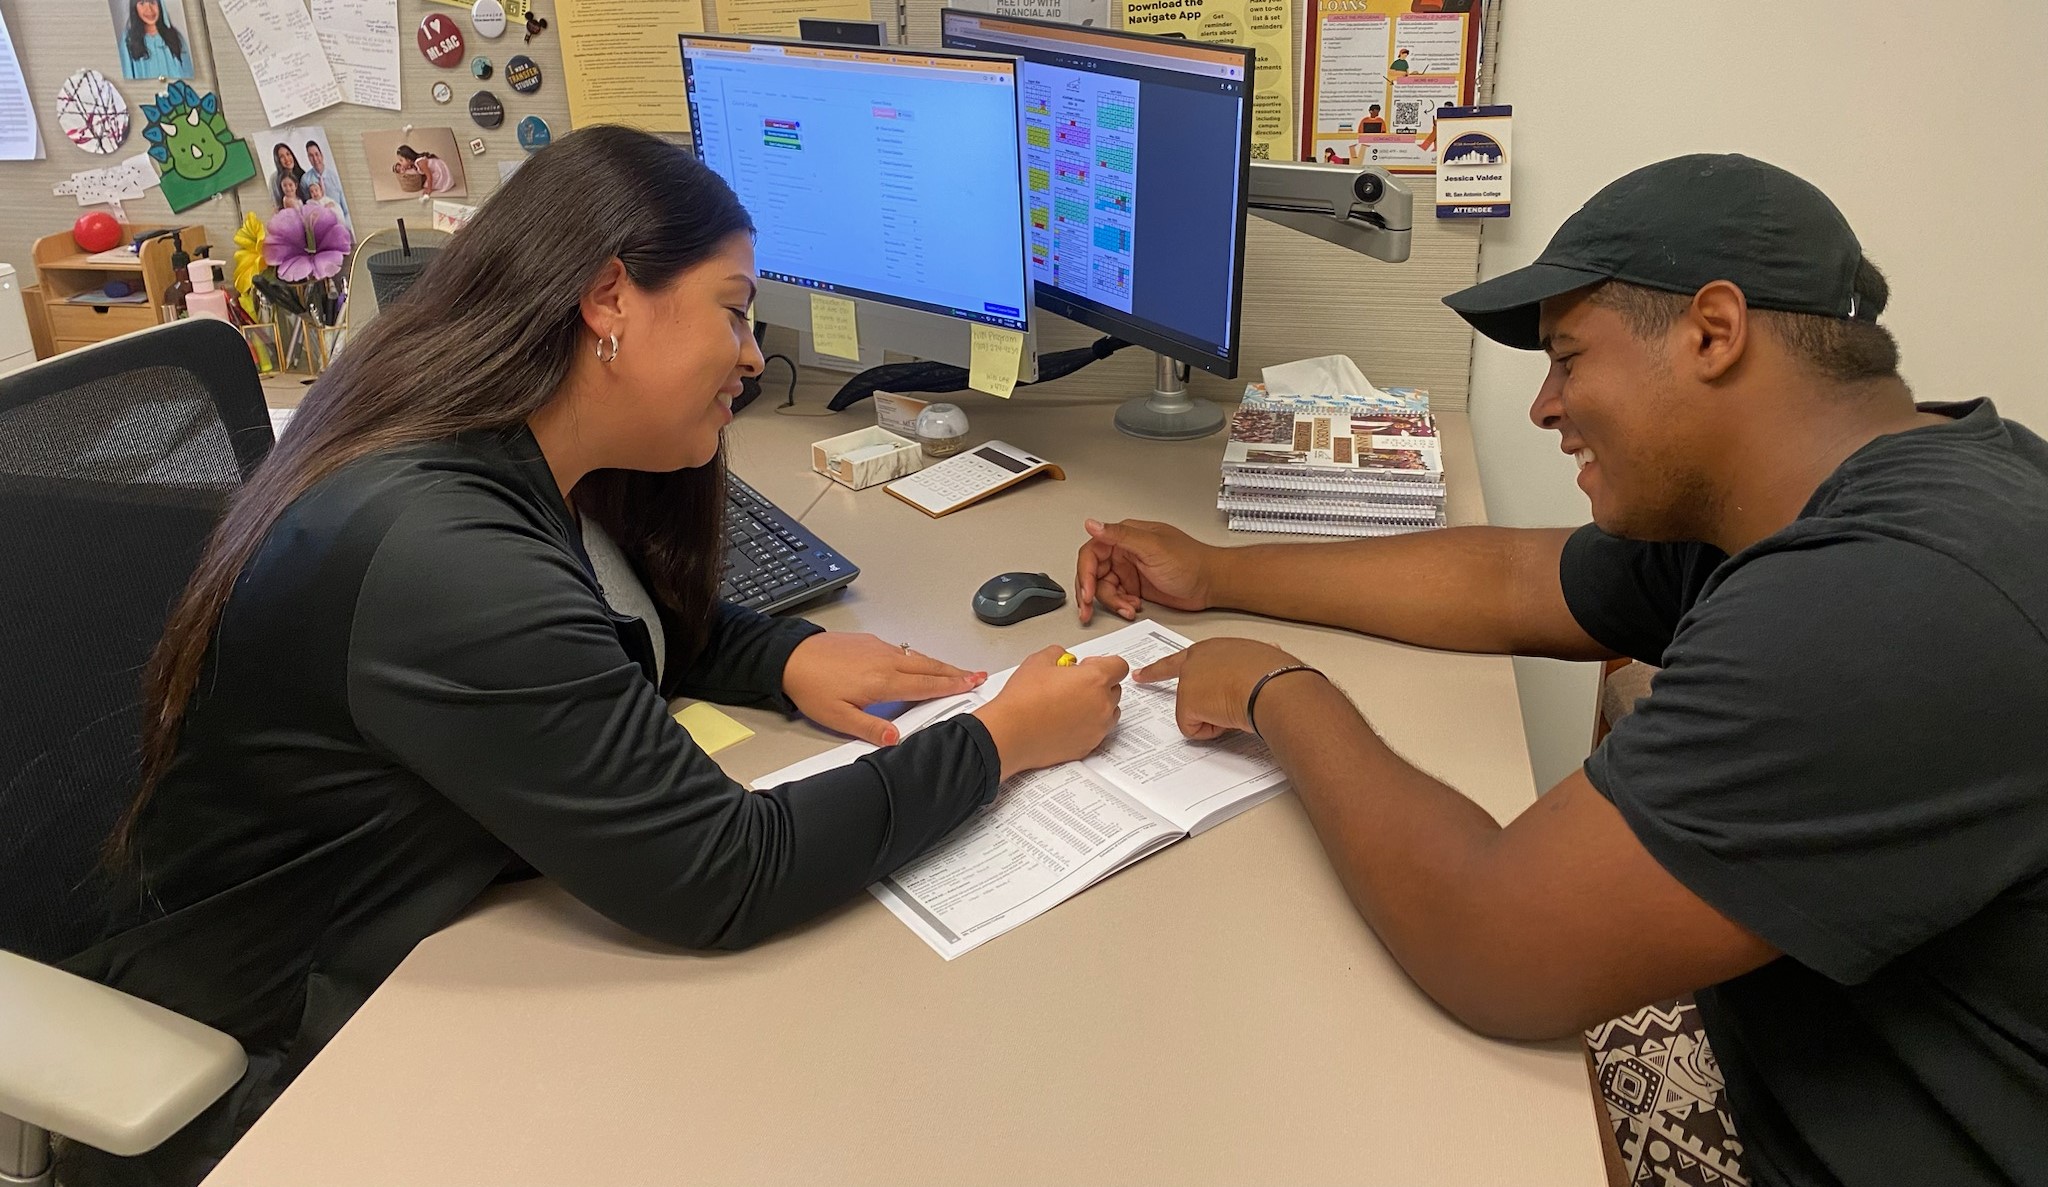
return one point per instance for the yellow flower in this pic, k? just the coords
(248, 262)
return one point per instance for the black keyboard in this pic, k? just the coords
(771, 561)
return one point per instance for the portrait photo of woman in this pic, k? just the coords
(152, 40)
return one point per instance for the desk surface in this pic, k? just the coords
(1215, 1013)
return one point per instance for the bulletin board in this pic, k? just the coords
(1302, 296)
(54, 40)
(345, 123)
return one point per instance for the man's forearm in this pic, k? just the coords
(1408, 848)
(1479, 589)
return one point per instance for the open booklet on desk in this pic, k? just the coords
(1052, 833)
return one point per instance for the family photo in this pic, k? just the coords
(299, 169)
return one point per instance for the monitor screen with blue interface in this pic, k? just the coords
(889, 175)
(1137, 152)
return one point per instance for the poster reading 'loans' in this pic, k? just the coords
(1378, 72)
(1265, 25)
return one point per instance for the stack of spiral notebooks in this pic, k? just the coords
(1368, 465)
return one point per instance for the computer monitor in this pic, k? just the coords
(1137, 154)
(890, 177)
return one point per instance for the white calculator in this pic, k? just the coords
(969, 477)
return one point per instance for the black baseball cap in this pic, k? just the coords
(1678, 225)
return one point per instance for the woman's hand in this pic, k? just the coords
(1048, 714)
(833, 677)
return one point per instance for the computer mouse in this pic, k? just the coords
(1014, 597)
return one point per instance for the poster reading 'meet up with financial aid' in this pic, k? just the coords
(1266, 26)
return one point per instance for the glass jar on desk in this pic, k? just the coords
(941, 430)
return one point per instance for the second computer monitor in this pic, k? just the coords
(889, 177)
(1137, 152)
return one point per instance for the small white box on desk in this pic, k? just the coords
(864, 457)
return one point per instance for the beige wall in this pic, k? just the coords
(1923, 122)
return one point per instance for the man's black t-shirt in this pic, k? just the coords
(1847, 753)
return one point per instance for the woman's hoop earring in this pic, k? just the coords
(613, 343)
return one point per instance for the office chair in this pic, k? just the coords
(115, 463)
(1655, 1080)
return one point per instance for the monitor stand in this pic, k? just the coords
(1169, 413)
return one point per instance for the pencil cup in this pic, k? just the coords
(262, 340)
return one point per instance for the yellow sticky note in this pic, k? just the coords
(992, 367)
(832, 328)
(711, 730)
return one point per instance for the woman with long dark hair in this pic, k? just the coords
(430, 645)
(287, 166)
(153, 47)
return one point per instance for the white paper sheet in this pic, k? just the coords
(132, 178)
(284, 56)
(1184, 781)
(360, 39)
(1050, 835)
(21, 138)
(1053, 833)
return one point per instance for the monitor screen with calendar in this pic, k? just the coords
(1137, 154)
(888, 175)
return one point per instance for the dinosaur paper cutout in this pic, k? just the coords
(195, 153)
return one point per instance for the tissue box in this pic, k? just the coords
(864, 457)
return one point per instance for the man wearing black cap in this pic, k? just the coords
(1830, 818)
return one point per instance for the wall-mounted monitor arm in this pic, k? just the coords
(1354, 206)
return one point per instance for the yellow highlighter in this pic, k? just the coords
(1066, 660)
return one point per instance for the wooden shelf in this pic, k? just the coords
(59, 324)
(79, 262)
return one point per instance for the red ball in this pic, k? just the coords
(96, 231)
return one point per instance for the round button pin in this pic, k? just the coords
(480, 66)
(443, 92)
(522, 74)
(534, 134)
(488, 18)
(485, 109)
(440, 40)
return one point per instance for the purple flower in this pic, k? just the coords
(305, 243)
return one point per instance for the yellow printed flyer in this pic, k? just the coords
(619, 61)
(1378, 71)
(1267, 26)
(778, 18)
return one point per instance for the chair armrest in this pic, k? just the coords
(101, 1067)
